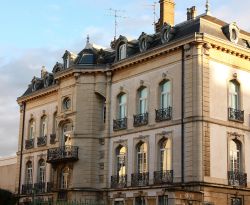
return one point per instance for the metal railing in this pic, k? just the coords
(42, 141)
(118, 181)
(140, 179)
(163, 114)
(29, 144)
(235, 115)
(163, 177)
(140, 119)
(237, 178)
(27, 189)
(65, 153)
(120, 124)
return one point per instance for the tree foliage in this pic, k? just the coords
(7, 198)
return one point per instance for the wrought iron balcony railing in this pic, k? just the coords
(237, 178)
(59, 154)
(27, 189)
(29, 144)
(163, 177)
(140, 179)
(42, 141)
(120, 124)
(52, 138)
(118, 181)
(40, 187)
(140, 119)
(49, 186)
(163, 114)
(235, 115)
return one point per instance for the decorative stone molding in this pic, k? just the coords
(232, 32)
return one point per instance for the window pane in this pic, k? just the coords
(165, 95)
(143, 94)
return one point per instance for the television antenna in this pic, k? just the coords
(116, 15)
(153, 6)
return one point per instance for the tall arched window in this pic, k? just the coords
(31, 131)
(165, 94)
(143, 100)
(122, 51)
(65, 178)
(66, 134)
(29, 173)
(235, 156)
(165, 155)
(43, 126)
(41, 171)
(142, 151)
(121, 152)
(122, 110)
(234, 95)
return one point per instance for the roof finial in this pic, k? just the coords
(207, 7)
(88, 39)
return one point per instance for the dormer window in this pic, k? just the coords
(66, 62)
(122, 51)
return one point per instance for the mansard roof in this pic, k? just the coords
(93, 55)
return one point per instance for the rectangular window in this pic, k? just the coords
(163, 200)
(140, 201)
(236, 201)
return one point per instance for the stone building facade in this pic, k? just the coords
(163, 119)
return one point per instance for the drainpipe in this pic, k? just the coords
(182, 112)
(21, 152)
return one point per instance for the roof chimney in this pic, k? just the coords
(166, 14)
(191, 13)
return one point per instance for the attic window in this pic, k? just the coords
(66, 62)
(122, 51)
(246, 43)
(87, 59)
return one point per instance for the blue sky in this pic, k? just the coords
(36, 33)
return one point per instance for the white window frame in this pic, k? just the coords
(143, 100)
(122, 51)
(122, 110)
(234, 95)
(165, 94)
(141, 158)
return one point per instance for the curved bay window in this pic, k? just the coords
(165, 111)
(29, 143)
(42, 139)
(235, 174)
(31, 131)
(140, 178)
(165, 173)
(122, 51)
(121, 122)
(234, 110)
(120, 179)
(142, 117)
(41, 171)
(41, 183)
(65, 175)
(27, 188)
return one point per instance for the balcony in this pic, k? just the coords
(139, 179)
(237, 178)
(118, 181)
(163, 114)
(40, 187)
(140, 119)
(42, 141)
(235, 115)
(120, 124)
(29, 144)
(27, 189)
(163, 177)
(62, 154)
